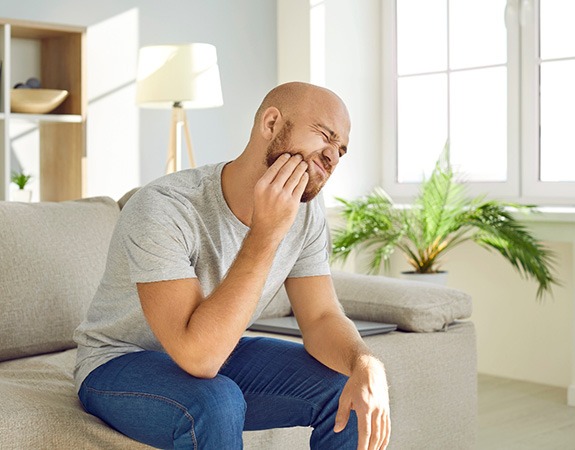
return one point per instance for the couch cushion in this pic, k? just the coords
(413, 306)
(40, 408)
(53, 256)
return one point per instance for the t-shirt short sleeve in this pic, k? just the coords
(314, 257)
(154, 230)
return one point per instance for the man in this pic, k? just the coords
(195, 257)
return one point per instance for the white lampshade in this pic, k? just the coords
(187, 74)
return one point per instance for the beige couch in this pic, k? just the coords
(51, 258)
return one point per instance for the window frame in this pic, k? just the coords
(535, 190)
(522, 184)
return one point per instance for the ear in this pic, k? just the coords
(269, 122)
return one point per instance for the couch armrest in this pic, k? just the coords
(413, 306)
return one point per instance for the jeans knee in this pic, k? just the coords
(226, 402)
(214, 416)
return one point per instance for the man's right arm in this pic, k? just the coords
(199, 332)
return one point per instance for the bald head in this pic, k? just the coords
(303, 119)
(297, 96)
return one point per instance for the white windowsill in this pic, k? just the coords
(550, 214)
(540, 214)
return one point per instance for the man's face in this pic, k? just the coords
(311, 145)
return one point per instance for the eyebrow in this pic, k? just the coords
(333, 135)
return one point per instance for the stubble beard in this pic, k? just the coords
(282, 144)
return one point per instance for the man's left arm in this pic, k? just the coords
(331, 338)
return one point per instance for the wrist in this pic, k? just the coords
(367, 362)
(370, 370)
(260, 245)
(264, 237)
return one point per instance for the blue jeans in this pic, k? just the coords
(266, 383)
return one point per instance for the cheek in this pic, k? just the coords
(307, 144)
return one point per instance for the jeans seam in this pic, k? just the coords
(155, 397)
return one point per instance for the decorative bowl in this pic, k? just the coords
(36, 101)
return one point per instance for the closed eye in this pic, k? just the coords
(331, 138)
(342, 149)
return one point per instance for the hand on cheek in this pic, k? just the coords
(277, 194)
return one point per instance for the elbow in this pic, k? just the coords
(203, 372)
(205, 368)
(199, 359)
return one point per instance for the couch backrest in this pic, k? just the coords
(52, 256)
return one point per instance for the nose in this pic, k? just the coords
(332, 155)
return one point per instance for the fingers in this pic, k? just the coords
(380, 431)
(377, 430)
(387, 432)
(300, 188)
(298, 180)
(284, 168)
(287, 173)
(277, 194)
(342, 417)
(364, 430)
(273, 170)
(374, 432)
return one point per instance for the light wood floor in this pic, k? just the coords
(517, 415)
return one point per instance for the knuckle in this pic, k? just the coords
(277, 190)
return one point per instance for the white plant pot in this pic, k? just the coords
(22, 195)
(435, 278)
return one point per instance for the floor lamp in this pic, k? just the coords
(179, 77)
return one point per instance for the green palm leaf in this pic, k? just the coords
(440, 218)
(498, 229)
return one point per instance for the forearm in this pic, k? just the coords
(200, 333)
(216, 325)
(331, 338)
(336, 343)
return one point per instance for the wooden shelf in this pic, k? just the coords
(59, 118)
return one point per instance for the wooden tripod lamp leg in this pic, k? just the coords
(171, 164)
(188, 141)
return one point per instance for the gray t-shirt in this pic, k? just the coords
(180, 226)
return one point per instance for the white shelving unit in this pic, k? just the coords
(60, 54)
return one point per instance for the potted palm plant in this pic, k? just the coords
(440, 218)
(20, 179)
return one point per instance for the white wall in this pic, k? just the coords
(128, 146)
(353, 70)
(351, 32)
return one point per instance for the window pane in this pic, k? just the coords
(422, 125)
(557, 124)
(421, 36)
(557, 30)
(477, 33)
(479, 124)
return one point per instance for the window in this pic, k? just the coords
(495, 78)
